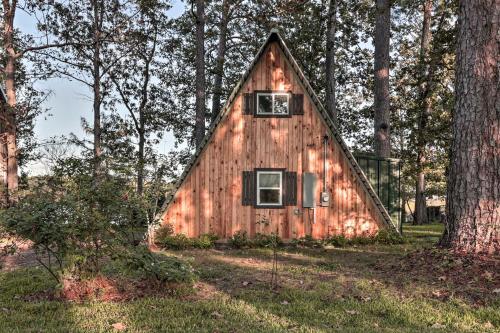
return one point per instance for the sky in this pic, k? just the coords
(70, 101)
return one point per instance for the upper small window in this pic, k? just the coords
(269, 188)
(272, 103)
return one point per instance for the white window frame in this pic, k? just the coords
(280, 188)
(273, 95)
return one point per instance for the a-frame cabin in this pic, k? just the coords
(273, 161)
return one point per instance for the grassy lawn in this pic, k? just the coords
(353, 289)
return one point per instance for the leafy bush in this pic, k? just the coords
(163, 232)
(389, 238)
(181, 242)
(205, 241)
(177, 242)
(239, 240)
(337, 241)
(263, 240)
(75, 222)
(307, 241)
(159, 267)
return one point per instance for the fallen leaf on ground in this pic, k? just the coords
(119, 326)
(285, 303)
(496, 291)
(5, 310)
(352, 312)
(488, 325)
(442, 278)
(216, 314)
(438, 325)
(245, 283)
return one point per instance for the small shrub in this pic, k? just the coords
(159, 267)
(361, 240)
(337, 241)
(263, 240)
(307, 241)
(205, 241)
(239, 240)
(389, 238)
(177, 242)
(163, 232)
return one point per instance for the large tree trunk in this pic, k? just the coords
(381, 106)
(3, 158)
(425, 110)
(141, 163)
(331, 104)
(9, 135)
(219, 65)
(200, 73)
(96, 73)
(473, 195)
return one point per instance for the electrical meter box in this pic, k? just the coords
(325, 199)
(309, 180)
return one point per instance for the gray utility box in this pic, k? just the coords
(309, 180)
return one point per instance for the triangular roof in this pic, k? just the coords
(274, 36)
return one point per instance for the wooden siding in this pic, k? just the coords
(210, 198)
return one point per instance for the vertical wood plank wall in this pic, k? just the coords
(209, 200)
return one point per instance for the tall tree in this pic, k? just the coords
(221, 56)
(91, 30)
(473, 196)
(425, 110)
(330, 60)
(14, 48)
(382, 104)
(136, 80)
(199, 131)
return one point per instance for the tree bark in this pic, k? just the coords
(200, 73)
(219, 65)
(9, 118)
(425, 110)
(381, 105)
(3, 158)
(473, 193)
(331, 104)
(96, 87)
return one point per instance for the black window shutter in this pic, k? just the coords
(248, 188)
(290, 196)
(298, 104)
(248, 103)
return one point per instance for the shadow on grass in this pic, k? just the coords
(339, 305)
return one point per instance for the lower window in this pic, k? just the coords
(269, 188)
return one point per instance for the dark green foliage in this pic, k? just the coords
(163, 232)
(263, 240)
(389, 238)
(167, 240)
(307, 241)
(239, 240)
(176, 242)
(158, 267)
(205, 241)
(337, 241)
(75, 223)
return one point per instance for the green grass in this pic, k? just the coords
(332, 290)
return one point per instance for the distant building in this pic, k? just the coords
(436, 207)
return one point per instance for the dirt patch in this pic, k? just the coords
(472, 277)
(107, 289)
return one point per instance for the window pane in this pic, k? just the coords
(265, 103)
(270, 197)
(281, 104)
(269, 180)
